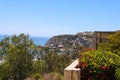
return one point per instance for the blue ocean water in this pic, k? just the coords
(37, 40)
(40, 40)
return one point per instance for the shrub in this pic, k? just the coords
(117, 74)
(99, 65)
(36, 76)
(53, 76)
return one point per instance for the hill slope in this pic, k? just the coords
(83, 39)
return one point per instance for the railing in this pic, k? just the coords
(71, 72)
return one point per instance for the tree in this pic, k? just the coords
(38, 66)
(113, 43)
(17, 53)
(55, 62)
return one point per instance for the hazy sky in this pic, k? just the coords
(52, 17)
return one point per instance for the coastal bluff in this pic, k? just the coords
(67, 41)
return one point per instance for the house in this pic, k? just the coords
(60, 47)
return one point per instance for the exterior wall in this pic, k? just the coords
(100, 37)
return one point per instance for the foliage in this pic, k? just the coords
(55, 62)
(50, 61)
(99, 64)
(117, 74)
(113, 43)
(38, 67)
(5, 71)
(36, 76)
(17, 53)
(53, 76)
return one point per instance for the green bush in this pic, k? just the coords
(53, 76)
(117, 74)
(36, 76)
(101, 64)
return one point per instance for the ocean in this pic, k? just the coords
(37, 40)
(40, 40)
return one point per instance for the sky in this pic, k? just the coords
(47, 18)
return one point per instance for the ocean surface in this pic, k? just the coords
(37, 40)
(40, 40)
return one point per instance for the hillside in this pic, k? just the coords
(82, 39)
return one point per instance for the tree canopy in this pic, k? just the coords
(17, 53)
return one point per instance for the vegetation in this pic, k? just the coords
(113, 43)
(22, 59)
(52, 76)
(18, 54)
(50, 64)
(70, 41)
(100, 65)
(55, 62)
(104, 63)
